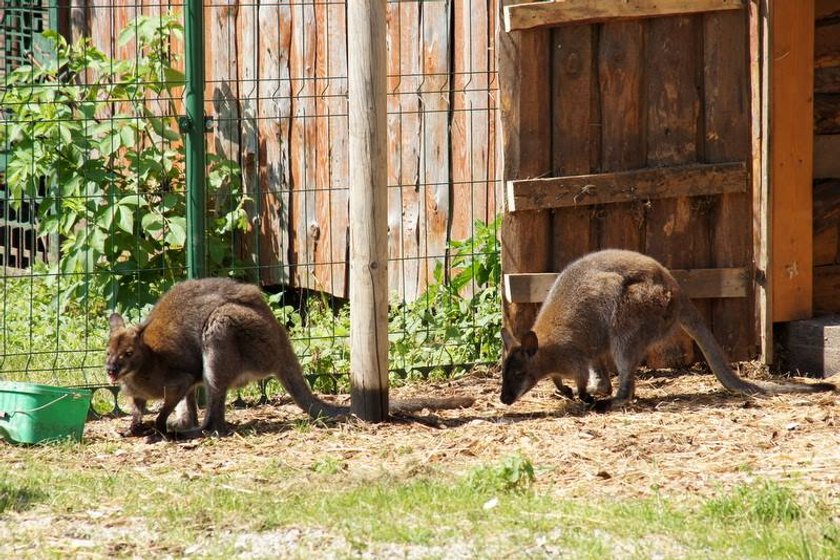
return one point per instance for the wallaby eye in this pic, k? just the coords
(128, 353)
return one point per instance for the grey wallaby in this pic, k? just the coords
(610, 307)
(220, 333)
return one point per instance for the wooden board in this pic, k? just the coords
(621, 143)
(473, 128)
(435, 149)
(674, 227)
(523, 64)
(726, 137)
(274, 120)
(305, 229)
(406, 212)
(826, 288)
(827, 113)
(760, 60)
(541, 14)
(792, 159)
(573, 135)
(826, 8)
(332, 131)
(826, 162)
(697, 283)
(627, 186)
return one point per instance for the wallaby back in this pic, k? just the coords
(615, 303)
(221, 333)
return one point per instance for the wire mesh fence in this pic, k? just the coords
(93, 199)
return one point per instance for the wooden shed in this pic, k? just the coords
(684, 130)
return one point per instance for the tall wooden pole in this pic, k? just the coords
(368, 209)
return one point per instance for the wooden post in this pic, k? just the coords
(368, 209)
(791, 158)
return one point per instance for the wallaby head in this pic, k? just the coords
(518, 374)
(126, 351)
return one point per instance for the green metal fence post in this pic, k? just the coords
(194, 127)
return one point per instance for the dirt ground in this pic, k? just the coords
(683, 434)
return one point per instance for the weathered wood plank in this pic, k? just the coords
(827, 80)
(558, 12)
(760, 60)
(676, 228)
(331, 198)
(791, 99)
(826, 288)
(622, 146)
(572, 89)
(405, 210)
(827, 8)
(627, 186)
(827, 113)
(248, 69)
(827, 223)
(274, 112)
(435, 151)
(473, 120)
(827, 45)
(304, 157)
(727, 122)
(698, 284)
(523, 64)
(826, 162)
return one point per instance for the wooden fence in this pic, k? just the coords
(277, 90)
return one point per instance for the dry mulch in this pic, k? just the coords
(683, 434)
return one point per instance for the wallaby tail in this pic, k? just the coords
(693, 324)
(295, 383)
(302, 395)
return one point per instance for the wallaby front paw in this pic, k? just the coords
(138, 430)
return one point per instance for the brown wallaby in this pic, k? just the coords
(613, 305)
(220, 333)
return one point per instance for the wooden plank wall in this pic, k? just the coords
(626, 95)
(826, 163)
(276, 86)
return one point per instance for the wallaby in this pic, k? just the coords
(220, 333)
(613, 305)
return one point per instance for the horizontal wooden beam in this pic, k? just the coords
(559, 12)
(699, 283)
(626, 186)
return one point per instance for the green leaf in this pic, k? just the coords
(152, 222)
(177, 234)
(128, 136)
(125, 220)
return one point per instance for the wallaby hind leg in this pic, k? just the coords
(217, 371)
(186, 413)
(601, 369)
(172, 395)
(627, 356)
(581, 378)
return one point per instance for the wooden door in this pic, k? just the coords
(629, 125)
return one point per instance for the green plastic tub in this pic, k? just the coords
(31, 413)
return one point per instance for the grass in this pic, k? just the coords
(485, 513)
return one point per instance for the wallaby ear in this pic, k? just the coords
(530, 343)
(508, 339)
(116, 321)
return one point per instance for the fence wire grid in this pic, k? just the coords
(92, 206)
